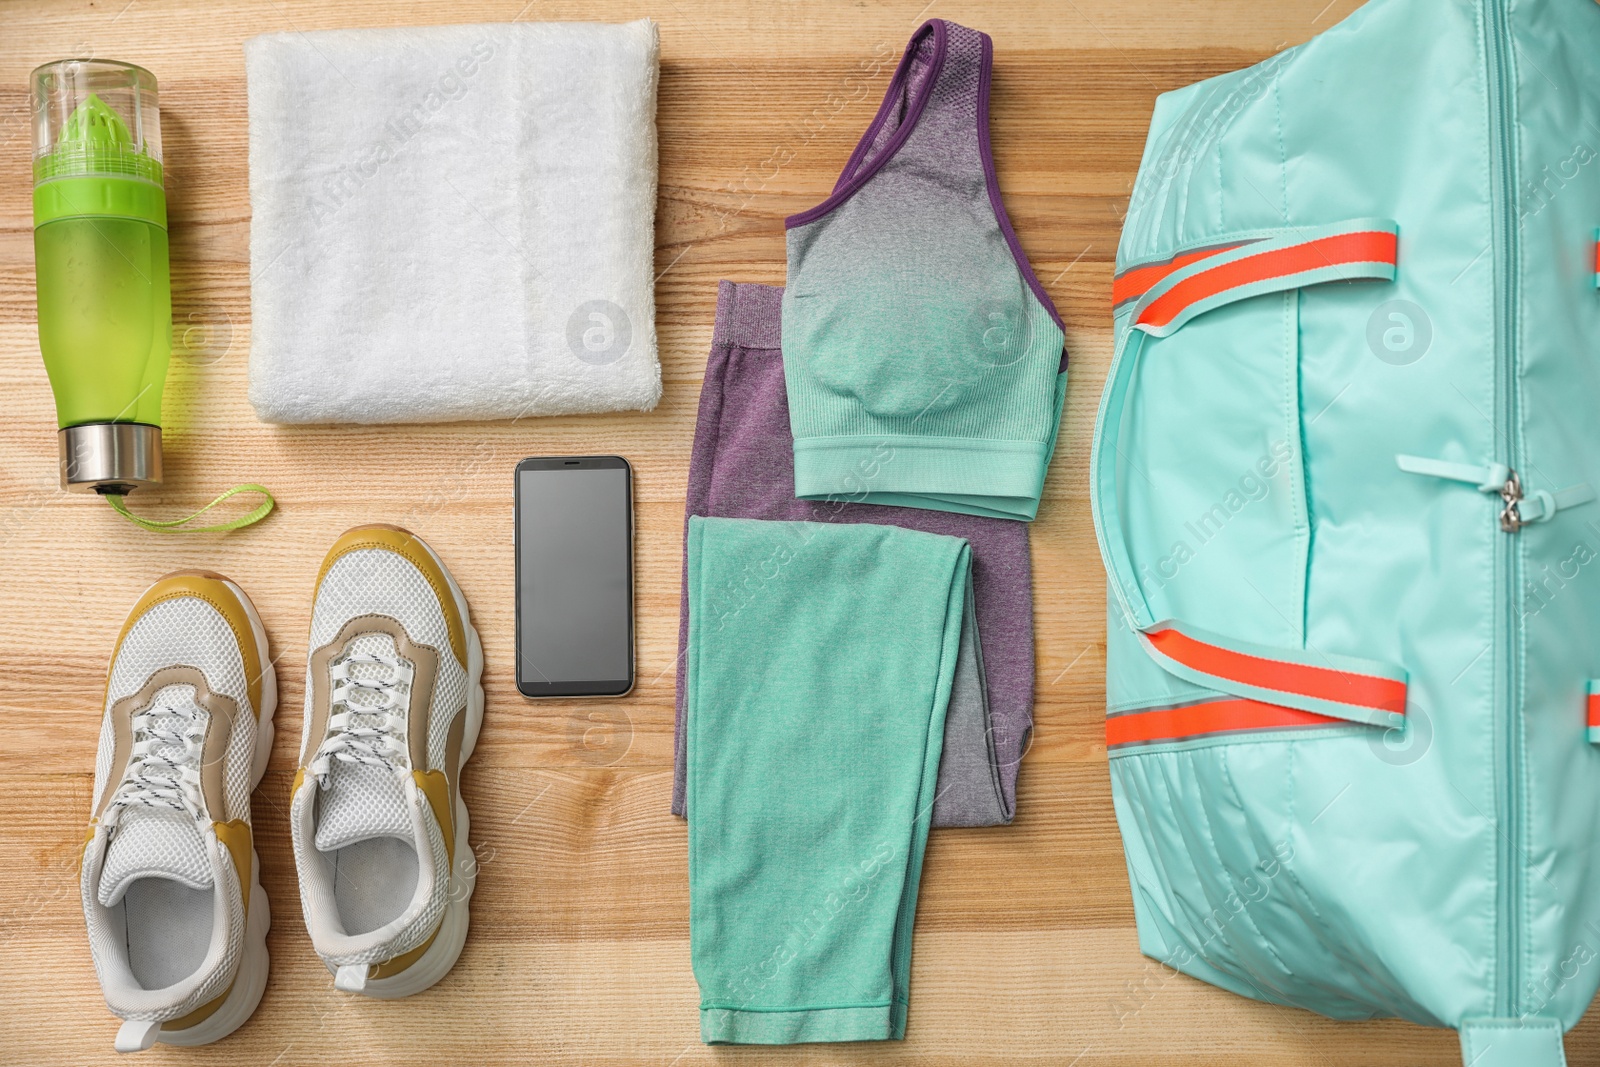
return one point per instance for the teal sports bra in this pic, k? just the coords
(924, 363)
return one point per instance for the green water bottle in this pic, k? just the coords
(104, 284)
(100, 251)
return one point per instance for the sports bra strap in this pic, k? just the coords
(931, 109)
(948, 125)
(903, 102)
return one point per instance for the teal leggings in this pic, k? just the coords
(820, 663)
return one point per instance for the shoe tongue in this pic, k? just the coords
(363, 801)
(154, 843)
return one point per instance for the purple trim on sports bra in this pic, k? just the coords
(993, 182)
(850, 183)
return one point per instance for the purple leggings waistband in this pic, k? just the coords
(748, 316)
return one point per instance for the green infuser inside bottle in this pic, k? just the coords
(103, 279)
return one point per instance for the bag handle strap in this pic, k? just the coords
(1248, 265)
(1340, 687)
(1356, 250)
(1300, 256)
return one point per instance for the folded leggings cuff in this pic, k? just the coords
(777, 1026)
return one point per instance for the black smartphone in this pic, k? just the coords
(574, 552)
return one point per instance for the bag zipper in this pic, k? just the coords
(1508, 636)
(1511, 513)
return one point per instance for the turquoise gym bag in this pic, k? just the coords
(1342, 483)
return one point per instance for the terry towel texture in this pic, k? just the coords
(822, 658)
(452, 222)
(742, 466)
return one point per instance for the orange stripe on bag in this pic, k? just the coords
(1368, 246)
(1321, 683)
(1213, 717)
(1136, 281)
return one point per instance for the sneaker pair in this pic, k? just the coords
(171, 881)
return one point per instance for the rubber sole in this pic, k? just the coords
(251, 981)
(452, 936)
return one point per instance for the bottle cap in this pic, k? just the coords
(96, 141)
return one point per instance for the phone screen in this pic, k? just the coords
(574, 576)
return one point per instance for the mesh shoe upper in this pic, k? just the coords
(154, 839)
(364, 800)
(163, 897)
(385, 682)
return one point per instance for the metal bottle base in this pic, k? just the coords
(110, 457)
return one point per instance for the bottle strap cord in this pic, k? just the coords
(249, 518)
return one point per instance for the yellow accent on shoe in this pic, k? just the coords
(214, 590)
(436, 787)
(406, 544)
(392, 967)
(200, 1014)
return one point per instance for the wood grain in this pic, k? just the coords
(1025, 948)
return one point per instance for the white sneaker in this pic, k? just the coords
(393, 708)
(171, 890)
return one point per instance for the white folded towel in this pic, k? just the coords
(453, 222)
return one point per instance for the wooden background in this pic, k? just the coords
(1025, 946)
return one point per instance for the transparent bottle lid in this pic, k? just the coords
(95, 117)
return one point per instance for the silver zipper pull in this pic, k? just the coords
(1511, 514)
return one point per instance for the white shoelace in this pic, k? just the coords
(164, 766)
(371, 730)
